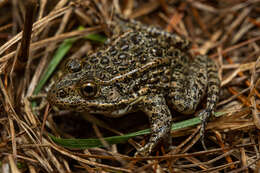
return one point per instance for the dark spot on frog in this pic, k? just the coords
(93, 60)
(157, 52)
(104, 60)
(165, 79)
(122, 56)
(125, 47)
(114, 72)
(87, 66)
(136, 39)
(73, 65)
(100, 75)
(135, 88)
(109, 70)
(117, 61)
(112, 51)
(122, 68)
(138, 52)
(61, 93)
(99, 54)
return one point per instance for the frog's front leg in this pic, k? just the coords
(160, 122)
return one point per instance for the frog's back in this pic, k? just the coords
(133, 55)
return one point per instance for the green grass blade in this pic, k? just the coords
(96, 37)
(89, 143)
(58, 56)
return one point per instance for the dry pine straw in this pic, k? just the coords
(228, 32)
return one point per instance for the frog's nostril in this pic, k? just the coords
(61, 93)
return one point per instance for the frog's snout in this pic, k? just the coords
(51, 96)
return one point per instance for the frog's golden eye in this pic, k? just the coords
(89, 90)
(73, 65)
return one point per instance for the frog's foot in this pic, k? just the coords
(154, 139)
(144, 151)
(204, 116)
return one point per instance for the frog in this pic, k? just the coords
(142, 68)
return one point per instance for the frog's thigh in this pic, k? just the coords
(189, 85)
(160, 121)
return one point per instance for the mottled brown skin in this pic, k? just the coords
(141, 68)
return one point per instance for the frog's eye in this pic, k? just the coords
(73, 65)
(89, 90)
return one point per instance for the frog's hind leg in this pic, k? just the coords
(212, 96)
(189, 85)
(172, 39)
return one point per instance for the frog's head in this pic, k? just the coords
(78, 90)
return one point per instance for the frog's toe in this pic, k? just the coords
(144, 151)
(204, 116)
(202, 136)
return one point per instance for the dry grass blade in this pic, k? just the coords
(62, 151)
(13, 165)
(36, 26)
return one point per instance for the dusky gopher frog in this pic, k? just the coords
(142, 68)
